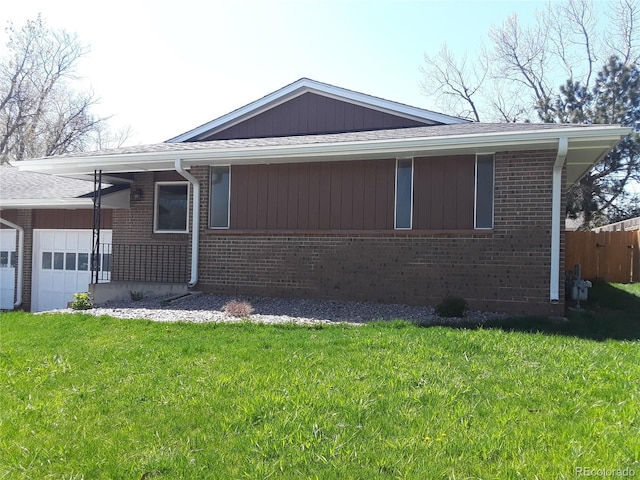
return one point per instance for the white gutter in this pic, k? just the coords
(47, 203)
(20, 258)
(162, 156)
(556, 203)
(195, 222)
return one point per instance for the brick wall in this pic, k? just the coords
(506, 269)
(135, 227)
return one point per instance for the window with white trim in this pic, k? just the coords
(171, 207)
(219, 196)
(404, 194)
(484, 191)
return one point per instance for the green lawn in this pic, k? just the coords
(85, 397)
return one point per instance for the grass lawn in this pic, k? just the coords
(85, 397)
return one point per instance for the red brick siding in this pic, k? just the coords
(505, 269)
(135, 227)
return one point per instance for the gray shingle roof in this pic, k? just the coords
(16, 185)
(364, 136)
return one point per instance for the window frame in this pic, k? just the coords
(395, 199)
(210, 219)
(493, 192)
(156, 191)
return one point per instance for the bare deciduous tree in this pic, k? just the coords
(527, 64)
(549, 71)
(41, 114)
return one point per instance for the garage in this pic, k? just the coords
(61, 266)
(7, 268)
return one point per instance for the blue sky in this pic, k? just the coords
(164, 67)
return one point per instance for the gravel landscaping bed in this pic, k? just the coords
(200, 308)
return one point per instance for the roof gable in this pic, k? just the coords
(310, 107)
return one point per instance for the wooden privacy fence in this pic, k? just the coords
(610, 256)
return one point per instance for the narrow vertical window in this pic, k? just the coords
(172, 207)
(404, 193)
(484, 191)
(219, 197)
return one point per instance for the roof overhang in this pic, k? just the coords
(306, 85)
(117, 199)
(587, 146)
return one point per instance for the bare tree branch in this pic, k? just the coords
(446, 76)
(549, 71)
(625, 38)
(40, 114)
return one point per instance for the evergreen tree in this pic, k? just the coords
(601, 196)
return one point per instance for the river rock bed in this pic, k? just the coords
(201, 308)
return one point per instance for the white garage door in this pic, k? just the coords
(61, 266)
(7, 268)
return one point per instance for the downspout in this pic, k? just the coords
(20, 259)
(556, 214)
(195, 221)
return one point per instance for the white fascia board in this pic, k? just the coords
(305, 85)
(422, 146)
(35, 203)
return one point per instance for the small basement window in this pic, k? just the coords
(171, 207)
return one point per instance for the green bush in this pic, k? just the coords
(82, 301)
(451, 307)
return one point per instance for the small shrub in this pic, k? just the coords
(82, 301)
(451, 307)
(136, 296)
(238, 308)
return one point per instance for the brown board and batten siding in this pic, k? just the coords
(353, 195)
(69, 219)
(444, 190)
(312, 114)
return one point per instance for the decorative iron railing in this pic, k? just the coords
(100, 264)
(149, 263)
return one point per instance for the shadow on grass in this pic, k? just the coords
(610, 314)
